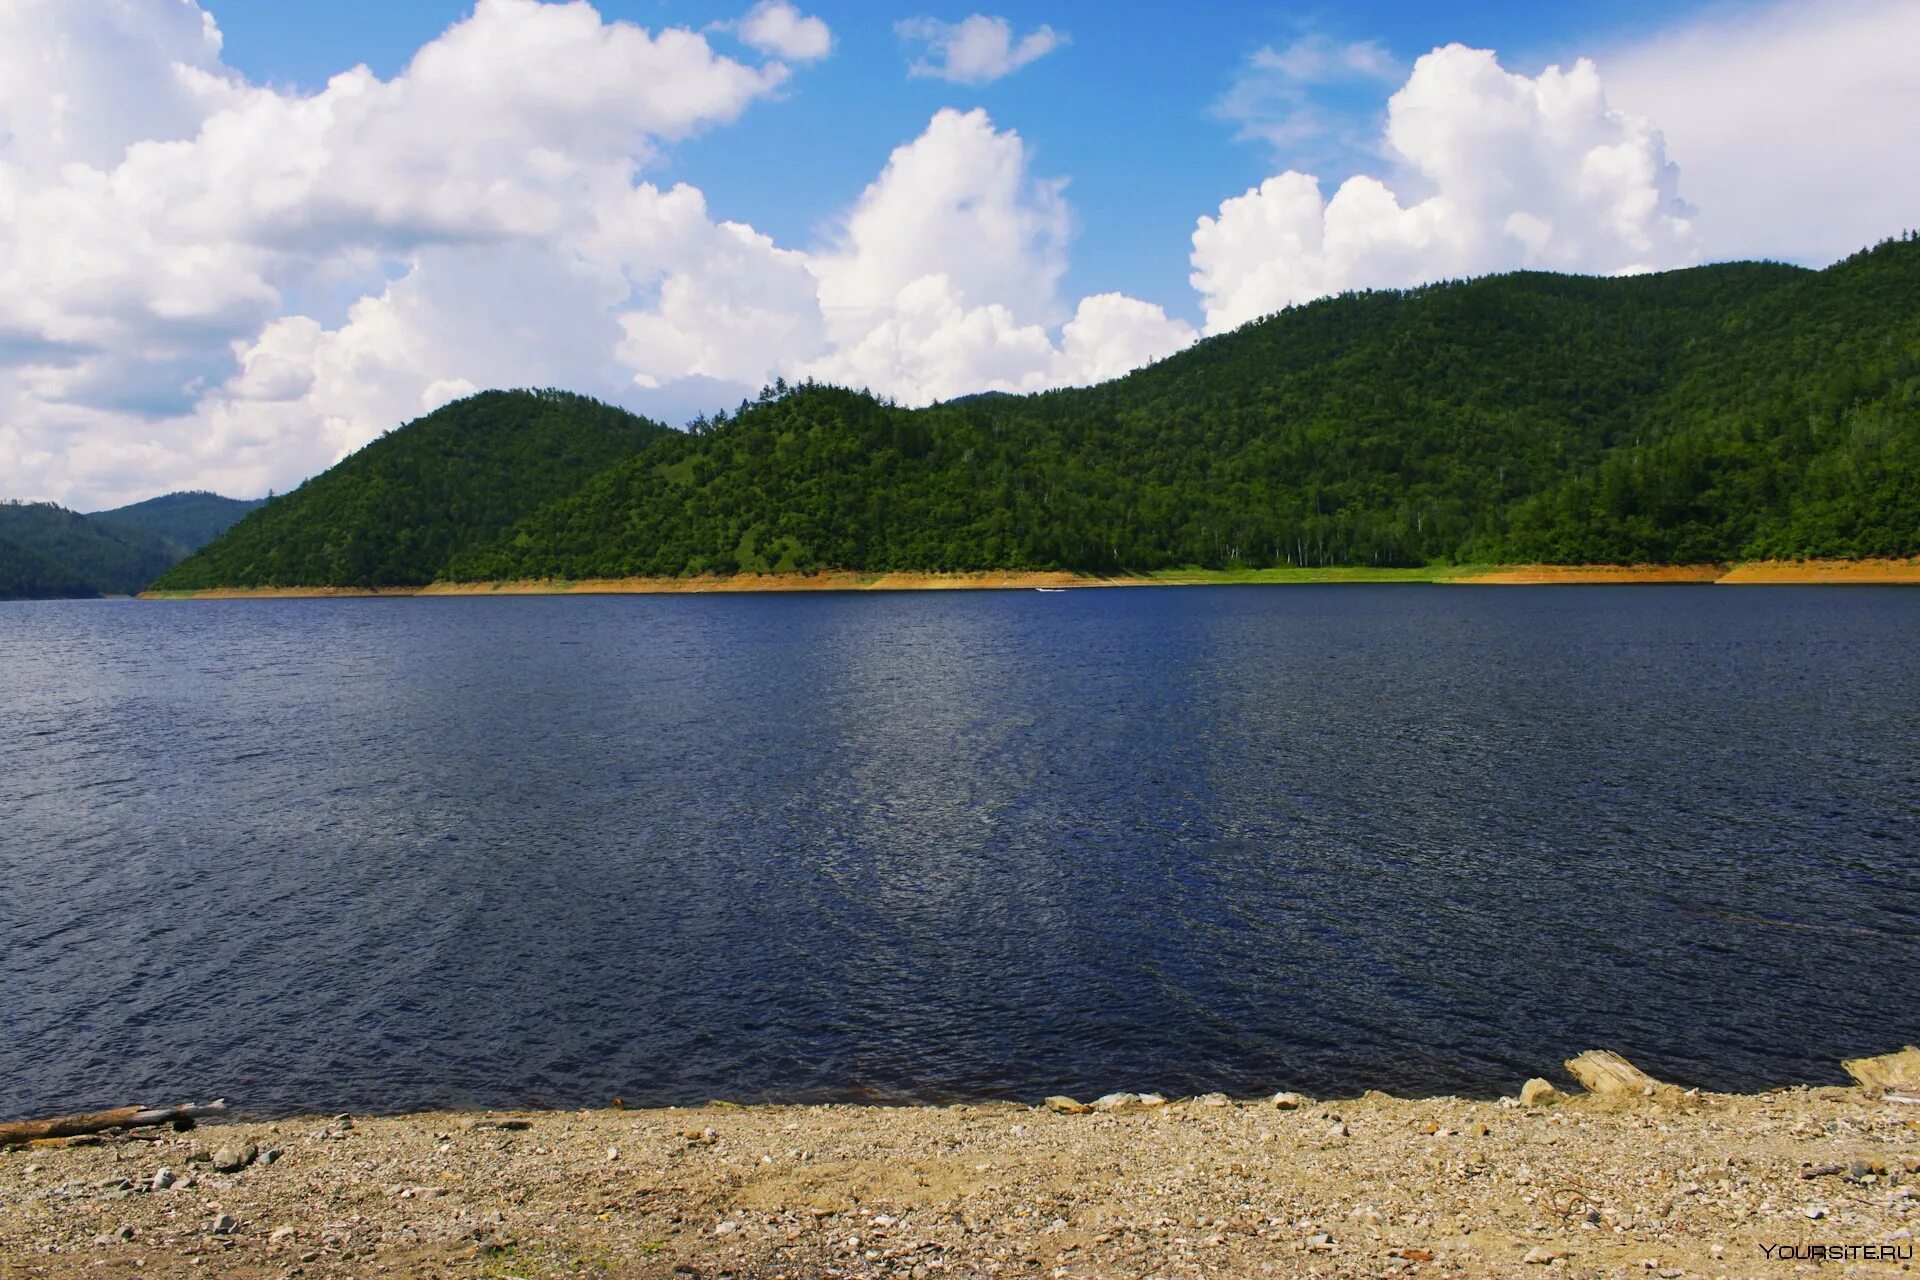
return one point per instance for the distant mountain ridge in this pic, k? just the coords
(49, 552)
(189, 519)
(1721, 413)
(107, 559)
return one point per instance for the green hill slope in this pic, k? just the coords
(188, 520)
(27, 575)
(1719, 413)
(101, 559)
(396, 512)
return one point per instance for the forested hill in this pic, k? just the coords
(1720, 413)
(188, 520)
(398, 511)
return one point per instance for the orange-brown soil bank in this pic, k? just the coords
(1863, 572)
(1546, 574)
(831, 581)
(1881, 571)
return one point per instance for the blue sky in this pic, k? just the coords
(1123, 111)
(244, 237)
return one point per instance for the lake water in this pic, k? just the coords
(383, 854)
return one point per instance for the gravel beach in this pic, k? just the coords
(1673, 1185)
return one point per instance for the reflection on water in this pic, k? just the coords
(382, 854)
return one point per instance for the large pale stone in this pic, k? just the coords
(1894, 1071)
(1604, 1071)
(1538, 1093)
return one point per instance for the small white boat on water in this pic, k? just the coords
(1049, 589)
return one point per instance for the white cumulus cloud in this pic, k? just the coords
(775, 27)
(1493, 171)
(977, 49)
(944, 278)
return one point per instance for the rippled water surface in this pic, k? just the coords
(380, 854)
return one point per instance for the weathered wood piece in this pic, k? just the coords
(20, 1132)
(1604, 1071)
(1894, 1072)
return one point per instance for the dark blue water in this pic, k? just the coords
(379, 854)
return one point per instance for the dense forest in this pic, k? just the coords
(400, 510)
(1714, 414)
(28, 575)
(189, 520)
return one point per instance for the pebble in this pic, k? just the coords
(1539, 1257)
(1289, 1101)
(223, 1225)
(1066, 1106)
(282, 1235)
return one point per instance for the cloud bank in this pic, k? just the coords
(209, 282)
(1796, 123)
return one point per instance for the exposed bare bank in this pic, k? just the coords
(1671, 1185)
(1807, 572)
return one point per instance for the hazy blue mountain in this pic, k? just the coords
(190, 520)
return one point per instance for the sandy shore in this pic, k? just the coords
(1677, 1185)
(1808, 572)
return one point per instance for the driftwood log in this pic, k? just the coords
(20, 1132)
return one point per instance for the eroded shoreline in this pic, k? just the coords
(1760, 572)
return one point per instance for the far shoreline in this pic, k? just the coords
(1865, 572)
